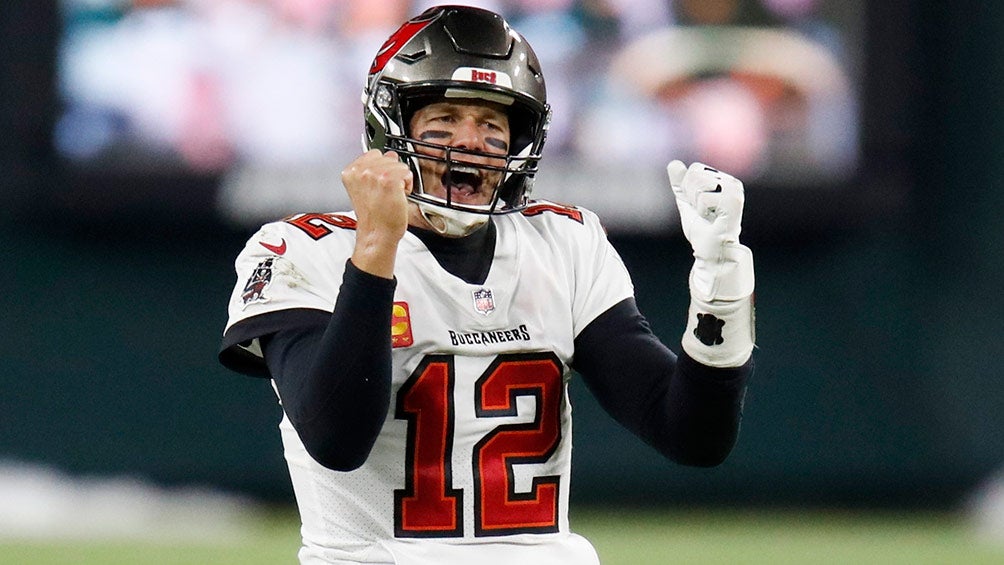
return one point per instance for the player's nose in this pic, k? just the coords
(468, 135)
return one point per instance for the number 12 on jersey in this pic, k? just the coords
(429, 506)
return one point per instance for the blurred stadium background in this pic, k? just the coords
(141, 142)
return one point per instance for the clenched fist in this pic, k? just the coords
(378, 185)
(720, 322)
(710, 203)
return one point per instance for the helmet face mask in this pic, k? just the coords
(459, 53)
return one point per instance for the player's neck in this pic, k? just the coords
(468, 258)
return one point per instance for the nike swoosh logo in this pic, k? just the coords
(277, 249)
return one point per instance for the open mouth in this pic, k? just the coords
(462, 182)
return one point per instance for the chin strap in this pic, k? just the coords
(451, 223)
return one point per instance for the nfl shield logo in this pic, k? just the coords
(483, 301)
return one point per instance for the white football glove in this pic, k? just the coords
(720, 325)
(711, 212)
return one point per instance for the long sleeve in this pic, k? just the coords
(689, 412)
(334, 381)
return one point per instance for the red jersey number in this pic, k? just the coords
(428, 506)
(320, 225)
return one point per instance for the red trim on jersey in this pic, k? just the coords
(540, 207)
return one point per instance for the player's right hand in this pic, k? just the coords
(378, 185)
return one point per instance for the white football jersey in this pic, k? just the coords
(473, 462)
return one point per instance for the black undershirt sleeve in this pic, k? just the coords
(334, 380)
(689, 412)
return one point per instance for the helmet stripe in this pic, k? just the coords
(398, 40)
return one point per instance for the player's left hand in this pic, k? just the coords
(720, 326)
(710, 203)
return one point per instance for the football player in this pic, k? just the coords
(421, 344)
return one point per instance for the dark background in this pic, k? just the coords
(879, 304)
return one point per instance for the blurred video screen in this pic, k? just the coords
(264, 95)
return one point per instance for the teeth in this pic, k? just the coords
(464, 169)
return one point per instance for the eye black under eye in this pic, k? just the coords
(433, 134)
(497, 143)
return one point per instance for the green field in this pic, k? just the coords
(622, 537)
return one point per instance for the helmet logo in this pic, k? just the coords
(398, 40)
(483, 76)
(487, 76)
